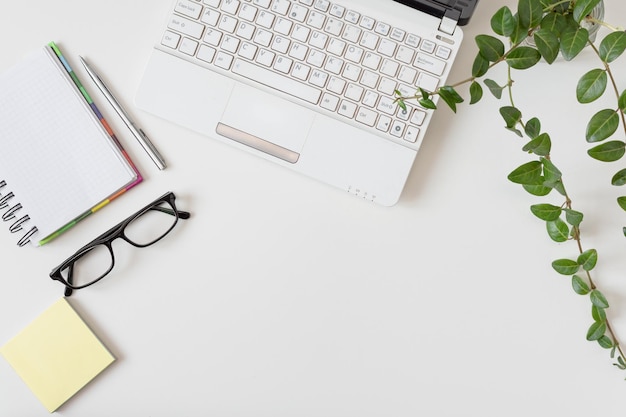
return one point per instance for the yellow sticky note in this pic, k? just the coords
(56, 355)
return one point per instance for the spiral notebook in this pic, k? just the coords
(59, 159)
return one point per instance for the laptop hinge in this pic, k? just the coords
(449, 21)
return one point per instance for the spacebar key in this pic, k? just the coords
(276, 81)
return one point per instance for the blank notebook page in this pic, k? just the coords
(55, 155)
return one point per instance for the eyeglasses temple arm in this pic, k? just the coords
(181, 214)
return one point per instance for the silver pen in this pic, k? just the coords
(139, 134)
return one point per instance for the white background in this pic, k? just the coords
(282, 296)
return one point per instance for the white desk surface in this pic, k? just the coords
(284, 297)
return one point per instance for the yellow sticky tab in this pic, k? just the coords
(56, 355)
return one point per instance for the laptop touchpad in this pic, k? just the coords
(266, 122)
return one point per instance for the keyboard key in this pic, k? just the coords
(262, 3)
(366, 116)
(336, 85)
(228, 24)
(213, 37)
(210, 17)
(354, 92)
(265, 19)
(223, 60)
(206, 53)
(298, 13)
(230, 6)
(411, 134)
(283, 26)
(276, 81)
(248, 50)
(318, 78)
(280, 7)
(397, 128)
(337, 10)
(265, 57)
(188, 8)
(428, 46)
(329, 102)
(188, 46)
(170, 39)
(387, 105)
(283, 64)
(248, 12)
(370, 99)
(186, 26)
(387, 47)
(384, 123)
(352, 17)
(347, 109)
(443, 52)
(387, 86)
(369, 79)
(430, 64)
(427, 82)
(322, 5)
(316, 20)
(418, 117)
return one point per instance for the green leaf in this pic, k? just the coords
(622, 101)
(495, 89)
(480, 66)
(580, 286)
(582, 8)
(533, 128)
(450, 96)
(554, 22)
(588, 259)
(619, 178)
(519, 34)
(547, 212)
(622, 202)
(596, 331)
(523, 57)
(598, 299)
(537, 190)
(530, 13)
(605, 342)
(548, 44)
(476, 92)
(558, 230)
(573, 217)
(573, 40)
(527, 174)
(602, 125)
(565, 266)
(550, 171)
(492, 49)
(608, 152)
(503, 23)
(427, 103)
(511, 116)
(598, 314)
(541, 145)
(612, 46)
(591, 86)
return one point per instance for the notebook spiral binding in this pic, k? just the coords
(11, 214)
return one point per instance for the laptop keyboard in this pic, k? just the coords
(334, 59)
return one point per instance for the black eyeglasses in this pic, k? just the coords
(95, 260)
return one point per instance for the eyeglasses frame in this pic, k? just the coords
(116, 232)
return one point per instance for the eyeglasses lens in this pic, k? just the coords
(93, 264)
(152, 225)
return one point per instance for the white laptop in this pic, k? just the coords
(308, 84)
